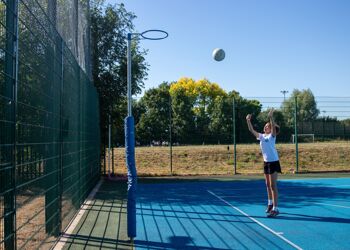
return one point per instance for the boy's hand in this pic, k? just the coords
(249, 117)
(271, 113)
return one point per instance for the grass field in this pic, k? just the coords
(217, 160)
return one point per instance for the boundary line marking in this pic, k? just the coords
(69, 230)
(278, 234)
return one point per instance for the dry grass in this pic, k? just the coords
(30, 221)
(215, 159)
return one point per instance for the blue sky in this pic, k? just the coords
(270, 45)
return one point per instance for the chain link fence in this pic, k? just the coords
(49, 131)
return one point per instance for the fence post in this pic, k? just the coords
(8, 183)
(104, 157)
(61, 43)
(80, 138)
(113, 160)
(170, 136)
(323, 128)
(296, 134)
(109, 142)
(52, 166)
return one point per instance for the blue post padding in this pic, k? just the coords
(132, 175)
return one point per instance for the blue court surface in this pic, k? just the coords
(314, 214)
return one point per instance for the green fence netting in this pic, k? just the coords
(49, 131)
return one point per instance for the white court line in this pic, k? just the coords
(63, 239)
(332, 205)
(240, 196)
(278, 234)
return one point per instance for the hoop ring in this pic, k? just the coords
(163, 34)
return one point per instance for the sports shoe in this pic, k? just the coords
(268, 209)
(273, 213)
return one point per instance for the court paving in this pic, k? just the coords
(314, 214)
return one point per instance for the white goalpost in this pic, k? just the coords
(311, 136)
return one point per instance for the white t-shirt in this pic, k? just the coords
(268, 149)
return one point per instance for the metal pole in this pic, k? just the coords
(130, 143)
(109, 145)
(234, 138)
(7, 177)
(129, 73)
(104, 156)
(61, 42)
(130, 154)
(284, 92)
(113, 172)
(170, 137)
(296, 135)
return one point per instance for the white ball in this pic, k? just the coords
(218, 54)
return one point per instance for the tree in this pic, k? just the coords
(182, 116)
(346, 122)
(201, 95)
(285, 130)
(153, 124)
(307, 107)
(109, 27)
(221, 118)
(244, 107)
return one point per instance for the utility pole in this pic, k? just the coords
(284, 92)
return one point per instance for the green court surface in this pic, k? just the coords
(101, 223)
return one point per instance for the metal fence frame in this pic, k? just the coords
(323, 128)
(49, 127)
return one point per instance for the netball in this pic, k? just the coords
(218, 54)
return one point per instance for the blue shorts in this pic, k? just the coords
(272, 167)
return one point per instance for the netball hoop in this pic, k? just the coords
(154, 34)
(130, 133)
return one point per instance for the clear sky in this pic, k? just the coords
(270, 45)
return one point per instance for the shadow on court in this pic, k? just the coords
(103, 224)
(184, 215)
(175, 242)
(293, 216)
